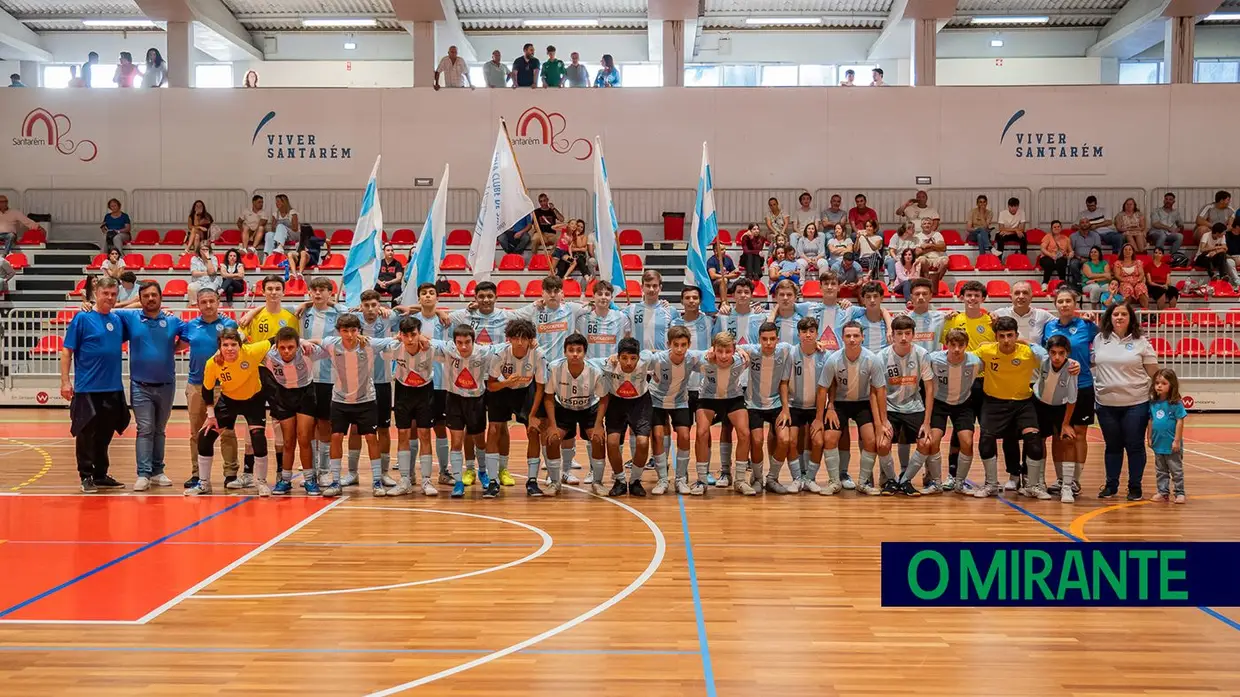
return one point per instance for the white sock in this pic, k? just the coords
(333, 468)
(725, 457)
(204, 469)
(441, 453)
(404, 463)
(456, 460)
(355, 457)
(532, 463)
(427, 463)
(260, 468)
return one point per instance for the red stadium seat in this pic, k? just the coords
(1206, 319)
(404, 260)
(454, 290)
(469, 288)
(250, 262)
(32, 238)
(1162, 347)
(951, 237)
(134, 262)
(79, 290)
(1036, 288)
(177, 237)
(160, 262)
(533, 289)
(1035, 235)
(887, 235)
(295, 288)
(453, 262)
(998, 289)
(1190, 347)
(759, 290)
(989, 262)
(1053, 286)
(632, 289)
(959, 286)
(229, 238)
(959, 262)
(572, 288)
(146, 237)
(176, 288)
(811, 289)
(403, 236)
(1232, 318)
(460, 238)
(630, 238)
(332, 261)
(1174, 318)
(590, 288)
(508, 288)
(187, 315)
(183, 262)
(63, 317)
(1019, 262)
(512, 262)
(97, 263)
(539, 263)
(273, 261)
(342, 238)
(48, 345)
(631, 262)
(1224, 347)
(1222, 289)
(725, 237)
(944, 291)
(18, 260)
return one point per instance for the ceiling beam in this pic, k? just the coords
(894, 27)
(453, 33)
(448, 29)
(210, 13)
(23, 43)
(1137, 26)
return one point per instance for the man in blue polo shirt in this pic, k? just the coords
(97, 409)
(525, 69)
(202, 333)
(153, 337)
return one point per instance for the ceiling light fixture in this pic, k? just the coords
(345, 22)
(118, 23)
(1222, 17)
(1009, 20)
(996, 43)
(782, 21)
(560, 23)
(350, 45)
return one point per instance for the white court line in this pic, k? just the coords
(655, 562)
(1212, 457)
(244, 558)
(546, 547)
(113, 622)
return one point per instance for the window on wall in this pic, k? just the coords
(101, 75)
(779, 76)
(1140, 72)
(477, 77)
(1217, 71)
(640, 74)
(702, 76)
(740, 76)
(816, 76)
(57, 76)
(216, 75)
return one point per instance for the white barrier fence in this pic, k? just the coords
(1202, 346)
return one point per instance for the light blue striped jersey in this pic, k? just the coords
(700, 338)
(743, 327)
(904, 376)
(928, 329)
(298, 372)
(953, 382)
(578, 392)
(319, 325)
(466, 377)
(830, 320)
(505, 365)
(788, 327)
(650, 323)
(852, 379)
(381, 328)
(873, 332)
(722, 383)
(602, 333)
(765, 375)
(626, 385)
(488, 329)
(803, 380)
(415, 369)
(553, 325)
(1055, 387)
(435, 331)
(354, 368)
(669, 388)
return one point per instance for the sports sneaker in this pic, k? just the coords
(312, 487)
(429, 489)
(376, 488)
(555, 488)
(492, 489)
(619, 488)
(698, 488)
(282, 488)
(598, 489)
(636, 488)
(847, 482)
(484, 479)
(232, 482)
(743, 487)
(1038, 491)
(505, 478)
(831, 489)
(332, 489)
(458, 490)
(191, 482)
(589, 478)
(908, 489)
(569, 478)
(794, 487)
(142, 484)
(965, 488)
(931, 488)
(710, 479)
(402, 487)
(1181, 498)
(723, 481)
(891, 487)
(813, 487)
(773, 486)
(446, 479)
(246, 479)
(1107, 491)
(682, 487)
(1067, 495)
(987, 490)
(659, 488)
(1014, 483)
(949, 484)
(264, 489)
(201, 489)
(1134, 494)
(347, 479)
(865, 488)
(88, 485)
(1055, 488)
(469, 477)
(531, 488)
(107, 482)
(1160, 497)
(388, 481)
(161, 480)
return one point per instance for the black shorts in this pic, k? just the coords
(976, 396)
(1008, 417)
(802, 417)
(680, 418)
(1083, 413)
(904, 427)
(758, 417)
(361, 415)
(693, 409)
(574, 422)
(858, 412)
(503, 405)
(439, 404)
(253, 410)
(468, 414)
(1050, 418)
(322, 401)
(383, 405)
(961, 416)
(722, 407)
(287, 403)
(415, 405)
(635, 414)
(1171, 292)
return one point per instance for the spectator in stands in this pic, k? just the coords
(15, 80)
(784, 265)
(1131, 224)
(850, 275)
(566, 231)
(204, 271)
(833, 214)
(310, 248)
(156, 73)
(877, 75)
(546, 216)
(232, 275)
(1085, 240)
(517, 239)
(1111, 296)
(391, 273)
(980, 224)
(197, 226)
(906, 271)
(251, 79)
(1233, 240)
(7, 272)
(10, 218)
(552, 70)
(723, 272)
(114, 265)
(92, 59)
(575, 73)
(837, 246)
(1096, 218)
(1158, 280)
(74, 79)
(1219, 212)
(869, 249)
(285, 224)
(1130, 273)
(1212, 256)
(116, 226)
(494, 72)
(580, 256)
(811, 252)
(1166, 226)
(930, 251)
(1012, 222)
(777, 222)
(917, 209)
(126, 71)
(1056, 249)
(525, 68)
(127, 291)
(608, 75)
(804, 214)
(904, 239)
(455, 71)
(253, 224)
(752, 243)
(858, 214)
(850, 78)
(1096, 272)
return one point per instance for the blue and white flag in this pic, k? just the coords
(431, 246)
(702, 233)
(367, 248)
(504, 203)
(611, 269)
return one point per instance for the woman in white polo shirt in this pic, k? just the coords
(1123, 365)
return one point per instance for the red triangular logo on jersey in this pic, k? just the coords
(484, 337)
(627, 390)
(465, 381)
(414, 380)
(828, 338)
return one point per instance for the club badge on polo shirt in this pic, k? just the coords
(108, 325)
(1128, 346)
(1016, 362)
(163, 324)
(1160, 413)
(245, 365)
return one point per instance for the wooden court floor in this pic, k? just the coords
(154, 594)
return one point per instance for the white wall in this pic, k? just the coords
(334, 73)
(1211, 42)
(805, 47)
(1019, 71)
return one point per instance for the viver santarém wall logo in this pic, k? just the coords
(290, 145)
(41, 129)
(1047, 144)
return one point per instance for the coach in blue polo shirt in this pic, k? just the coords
(96, 397)
(202, 333)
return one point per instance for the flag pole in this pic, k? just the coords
(508, 138)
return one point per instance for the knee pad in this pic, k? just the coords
(206, 442)
(987, 446)
(1035, 446)
(258, 438)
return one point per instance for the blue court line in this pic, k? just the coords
(243, 650)
(123, 557)
(708, 671)
(1209, 611)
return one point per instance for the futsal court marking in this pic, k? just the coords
(543, 549)
(47, 461)
(708, 670)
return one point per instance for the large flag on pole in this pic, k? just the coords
(608, 252)
(431, 247)
(702, 233)
(367, 247)
(504, 203)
